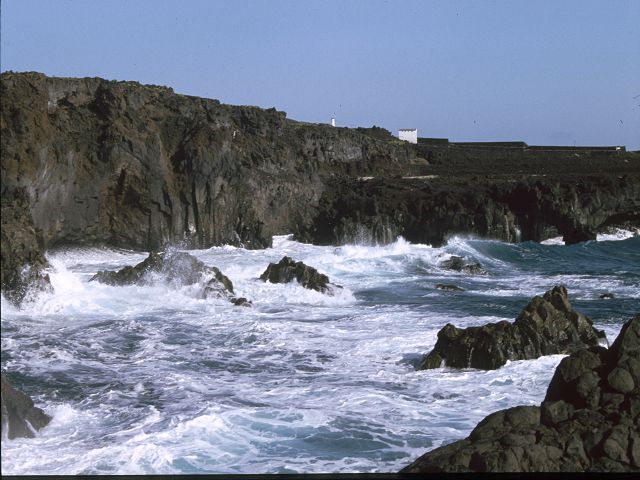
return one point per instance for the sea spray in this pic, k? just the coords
(153, 379)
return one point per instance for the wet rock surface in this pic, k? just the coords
(20, 418)
(288, 270)
(448, 287)
(23, 262)
(459, 264)
(588, 421)
(548, 325)
(504, 206)
(178, 268)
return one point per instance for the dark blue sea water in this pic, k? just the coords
(155, 379)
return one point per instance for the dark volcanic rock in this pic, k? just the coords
(140, 167)
(449, 288)
(130, 275)
(288, 270)
(19, 416)
(178, 268)
(510, 208)
(588, 421)
(607, 296)
(547, 326)
(22, 259)
(459, 265)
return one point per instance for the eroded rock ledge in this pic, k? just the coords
(548, 325)
(588, 421)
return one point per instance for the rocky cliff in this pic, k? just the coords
(507, 207)
(90, 161)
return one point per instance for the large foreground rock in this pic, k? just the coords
(178, 268)
(287, 270)
(547, 326)
(588, 421)
(19, 417)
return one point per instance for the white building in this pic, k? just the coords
(408, 134)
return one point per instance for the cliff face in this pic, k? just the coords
(508, 208)
(139, 166)
(89, 161)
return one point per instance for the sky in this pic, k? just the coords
(546, 72)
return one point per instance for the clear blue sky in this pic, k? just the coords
(546, 72)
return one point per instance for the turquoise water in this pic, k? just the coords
(155, 379)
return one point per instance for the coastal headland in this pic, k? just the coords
(87, 161)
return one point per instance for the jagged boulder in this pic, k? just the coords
(131, 275)
(288, 270)
(458, 264)
(588, 421)
(178, 268)
(19, 417)
(548, 325)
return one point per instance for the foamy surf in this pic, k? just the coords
(154, 379)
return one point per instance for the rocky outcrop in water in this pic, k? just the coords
(588, 421)
(178, 268)
(458, 264)
(509, 208)
(449, 288)
(288, 270)
(548, 325)
(19, 417)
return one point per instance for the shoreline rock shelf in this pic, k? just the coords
(588, 421)
(547, 326)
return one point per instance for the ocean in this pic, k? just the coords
(155, 379)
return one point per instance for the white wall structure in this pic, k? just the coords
(408, 134)
(333, 121)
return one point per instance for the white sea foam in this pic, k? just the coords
(155, 379)
(618, 234)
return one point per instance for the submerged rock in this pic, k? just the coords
(19, 417)
(448, 287)
(288, 270)
(548, 325)
(607, 296)
(176, 267)
(588, 421)
(459, 265)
